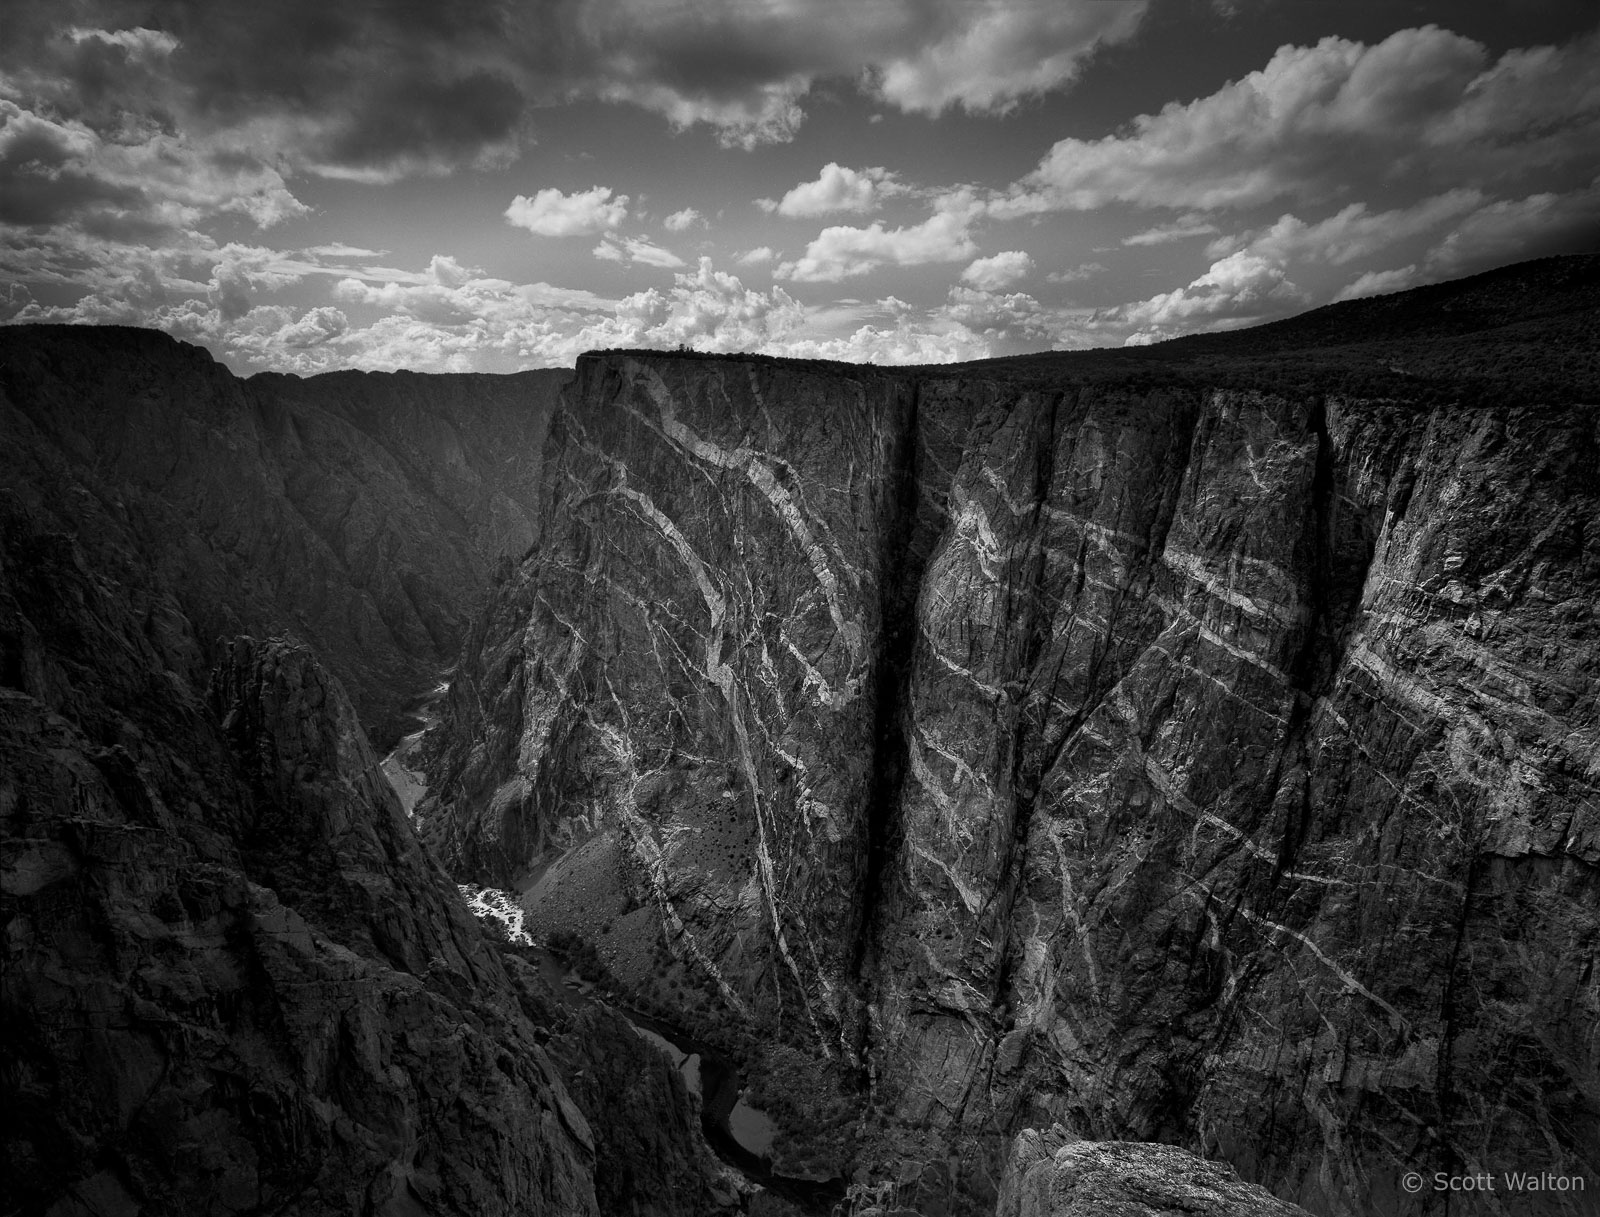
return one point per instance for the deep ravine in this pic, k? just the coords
(1085, 777)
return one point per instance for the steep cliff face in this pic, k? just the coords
(1253, 796)
(682, 691)
(1209, 766)
(233, 981)
(364, 512)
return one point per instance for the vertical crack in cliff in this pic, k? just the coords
(1333, 586)
(902, 570)
(1035, 631)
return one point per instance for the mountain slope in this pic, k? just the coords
(361, 511)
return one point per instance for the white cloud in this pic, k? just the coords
(988, 56)
(319, 326)
(707, 309)
(436, 304)
(1076, 274)
(138, 43)
(998, 270)
(637, 249)
(757, 256)
(1376, 282)
(1236, 290)
(1165, 234)
(583, 213)
(447, 271)
(682, 221)
(836, 189)
(338, 249)
(1007, 322)
(1352, 233)
(1317, 122)
(843, 252)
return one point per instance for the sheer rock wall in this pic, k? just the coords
(1211, 767)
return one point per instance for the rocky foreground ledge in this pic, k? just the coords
(1055, 1174)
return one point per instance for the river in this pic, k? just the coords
(740, 1134)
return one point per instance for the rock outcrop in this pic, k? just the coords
(991, 749)
(651, 1158)
(233, 981)
(362, 512)
(1054, 1174)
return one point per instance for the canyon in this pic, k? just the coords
(1163, 778)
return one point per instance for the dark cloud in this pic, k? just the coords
(365, 85)
(455, 119)
(47, 179)
(411, 85)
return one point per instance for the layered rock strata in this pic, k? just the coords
(1201, 766)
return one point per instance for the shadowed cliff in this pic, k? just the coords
(363, 512)
(233, 980)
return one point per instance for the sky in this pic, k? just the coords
(492, 185)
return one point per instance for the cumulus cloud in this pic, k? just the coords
(682, 221)
(449, 317)
(1332, 119)
(1236, 290)
(319, 326)
(836, 189)
(758, 256)
(705, 308)
(998, 270)
(583, 213)
(1008, 322)
(843, 252)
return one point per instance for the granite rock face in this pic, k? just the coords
(233, 982)
(1054, 1174)
(651, 1158)
(1213, 767)
(1136, 756)
(362, 512)
(687, 675)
